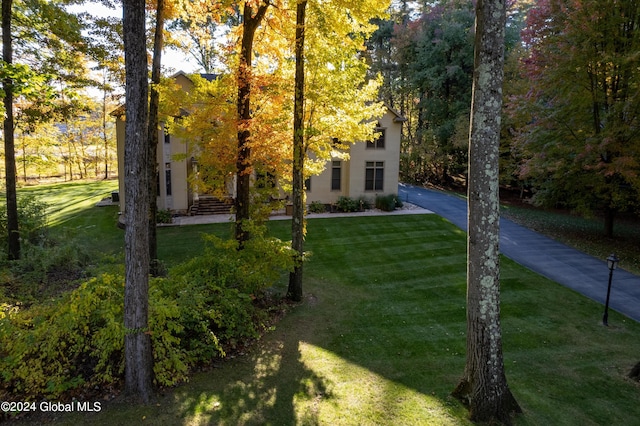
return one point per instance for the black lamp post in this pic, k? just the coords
(612, 263)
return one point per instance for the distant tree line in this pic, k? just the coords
(570, 130)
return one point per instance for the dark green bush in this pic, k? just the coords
(55, 262)
(347, 204)
(317, 207)
(227, 281)
(32, 217)
(386, 203)
(364, 202)
(164, 216)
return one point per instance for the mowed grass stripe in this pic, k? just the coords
(375, 251)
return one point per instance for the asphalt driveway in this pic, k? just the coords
(556, 261)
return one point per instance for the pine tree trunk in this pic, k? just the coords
(9, 141)
(484, 385)
(154, 104)
(294, 291)
(138, 357)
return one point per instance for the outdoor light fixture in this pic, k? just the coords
(612, 263)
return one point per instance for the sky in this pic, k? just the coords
(177, 61)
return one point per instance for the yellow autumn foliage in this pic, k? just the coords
(340, 99)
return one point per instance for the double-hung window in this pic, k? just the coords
(374, 176)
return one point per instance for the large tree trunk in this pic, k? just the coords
(243, 163)
(484, 385)
(138, 357)
(635, 372)
(9, 142)
(154, 104)
(294, 291)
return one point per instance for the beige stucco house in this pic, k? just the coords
(174, 159)
(372, 168)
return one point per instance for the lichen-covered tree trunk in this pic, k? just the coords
(152, 137)
(138, 356)
(9, 142)
(294, 291)
(484, 385)
(250, 24)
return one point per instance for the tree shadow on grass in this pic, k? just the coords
(264, 390)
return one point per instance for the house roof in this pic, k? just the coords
(120, 110)
(206, 76)
(399, 118)
(210, 77)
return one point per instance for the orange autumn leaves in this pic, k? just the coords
(340, 98)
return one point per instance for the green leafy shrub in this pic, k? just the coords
(204, 305)
(47, 347)
(164, 216)
(170, 361)
(365, 203)
(52, 263)
(347, 204)
(79, 341)
(317, 207)
(44, 261)
(32, 217)
(387, 203)
(227, 282)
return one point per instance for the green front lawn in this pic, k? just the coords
(380, 339)
(72, 213)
